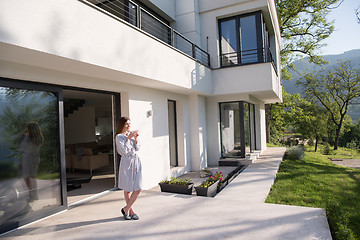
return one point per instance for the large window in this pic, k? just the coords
(243, 40)
(29, 155)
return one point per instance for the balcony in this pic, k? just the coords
(141, 18)
(86, 42)
(258, 80)
(261, 55)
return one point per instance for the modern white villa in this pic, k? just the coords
(193, 76)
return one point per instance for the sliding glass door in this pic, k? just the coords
(30, 173)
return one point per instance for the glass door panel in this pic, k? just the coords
(29, 155)
(230, 129)
(248, 39)
(228, 43)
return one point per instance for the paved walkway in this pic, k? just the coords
(352, 163)
(237, 212)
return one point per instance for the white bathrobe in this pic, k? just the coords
(130, 178)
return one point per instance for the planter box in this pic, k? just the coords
(222, 186)
(207, 192)
(177, 188)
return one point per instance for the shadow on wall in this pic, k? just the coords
(4, 35)
(201, 78)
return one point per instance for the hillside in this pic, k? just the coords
(304, 66)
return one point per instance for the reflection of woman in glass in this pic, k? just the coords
(30, 147)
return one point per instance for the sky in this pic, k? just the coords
(347, 29)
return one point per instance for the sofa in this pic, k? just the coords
(86, 156)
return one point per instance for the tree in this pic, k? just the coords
(351, 136)
(303, 27)
(310, 120)
(19, 107)
(357, 13)
(335, 90)
(279, 115)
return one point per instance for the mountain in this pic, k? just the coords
(303, 66)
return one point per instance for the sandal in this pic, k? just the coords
(126, 216)
(134, 217)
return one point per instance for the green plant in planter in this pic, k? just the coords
(218, 176)
(177, 185)
(207, 188)
(178, 181)
(207, 183)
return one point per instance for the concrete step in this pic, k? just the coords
(234, 161)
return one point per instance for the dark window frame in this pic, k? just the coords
(259, 22)
(13, 83)
(31, 85)
(241, 127)
(176, 135)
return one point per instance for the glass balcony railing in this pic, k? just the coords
(136, 15)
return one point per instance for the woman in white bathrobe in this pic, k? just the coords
(130, 179)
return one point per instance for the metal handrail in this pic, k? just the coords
(169, 36)
(258, 55)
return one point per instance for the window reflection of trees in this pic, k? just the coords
(20, 106)
(28, 190)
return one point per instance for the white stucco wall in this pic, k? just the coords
(250, 78)
(188, 20)
(166, 6)
(202, 132)
(60, 29)
(155, 133)
(262, 136)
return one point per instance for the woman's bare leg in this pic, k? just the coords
(127, 199)
(130, 200)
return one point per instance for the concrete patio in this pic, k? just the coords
(237, 212)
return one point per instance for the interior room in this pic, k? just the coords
(88, 143)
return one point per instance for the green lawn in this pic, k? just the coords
(344, 153)
(316, 182)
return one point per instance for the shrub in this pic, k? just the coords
(302, 146)
(294, 153)
(326, 150)
(352, 145)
